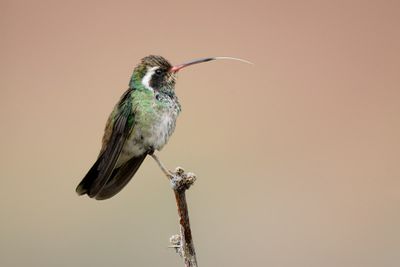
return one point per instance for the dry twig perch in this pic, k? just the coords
(180, 182)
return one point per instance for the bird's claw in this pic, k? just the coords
(170, 174)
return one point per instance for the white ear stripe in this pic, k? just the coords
(147, 78)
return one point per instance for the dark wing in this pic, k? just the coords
(120, 178)
(102, 170)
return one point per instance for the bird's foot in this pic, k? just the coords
(170, 174)
(180, 180)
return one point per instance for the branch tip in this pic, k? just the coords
(182, 181)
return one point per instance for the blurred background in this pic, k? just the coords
(297, 156)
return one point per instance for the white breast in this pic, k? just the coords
(161, 131)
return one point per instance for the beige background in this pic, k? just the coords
(297, 156)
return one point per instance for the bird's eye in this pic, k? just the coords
(158, 71)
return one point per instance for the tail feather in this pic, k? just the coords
(87, 181)
(117, 181)
(120, 178)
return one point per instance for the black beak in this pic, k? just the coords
(201, 60)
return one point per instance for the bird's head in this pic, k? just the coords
(155, 73)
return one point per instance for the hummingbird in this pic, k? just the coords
(141, 122)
